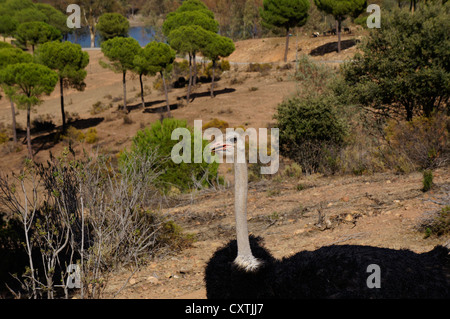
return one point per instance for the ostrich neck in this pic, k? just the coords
(245, 259)
(240, 200)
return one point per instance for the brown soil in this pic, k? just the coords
(379, 210)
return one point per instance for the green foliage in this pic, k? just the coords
(341, 8)
(153, 58)
(285, 13)
(201, 18)
(67, 59)
(37, 32)
(405, 65)
(5, 45)
(121, 53)
(112, 25)
(31, 79)
(188, 39)
(218, 47)
(15, 12)
(12, 56)
(53, 17)
(157, 138)
(31, 14)
(427, 180)
(7, 25)
(195, 5)
(309, 130)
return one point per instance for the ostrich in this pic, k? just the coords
(245, 269)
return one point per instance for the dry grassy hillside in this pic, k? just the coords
(382, 209)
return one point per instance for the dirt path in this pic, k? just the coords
(380, 210)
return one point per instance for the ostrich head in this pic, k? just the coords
(233, 144)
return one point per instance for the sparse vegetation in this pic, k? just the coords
(375, 122)
(427, 180)
(438, 224)
(99, 107)
(216, 123)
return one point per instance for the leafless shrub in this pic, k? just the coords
(87, 212)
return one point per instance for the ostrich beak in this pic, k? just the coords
(219, 147)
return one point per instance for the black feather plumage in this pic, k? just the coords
(330, 272)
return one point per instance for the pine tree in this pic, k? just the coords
(121, 53)
(285, 14)
(340, 9)
(69, 61)
(30, 80)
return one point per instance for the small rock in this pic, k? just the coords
(349, 218)
(345, 199)
(132, 281)
(153, 280)
(388, 182)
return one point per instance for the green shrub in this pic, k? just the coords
(156, 141)
(310, 131)
(427, 180)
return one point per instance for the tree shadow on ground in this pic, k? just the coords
(46, 141)
(332, 47)
(161, 109)
(208, 93)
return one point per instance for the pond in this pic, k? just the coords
(81, 36)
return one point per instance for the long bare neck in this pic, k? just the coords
(240, 208)
(245, 258)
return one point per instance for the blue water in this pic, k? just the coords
(143, 35)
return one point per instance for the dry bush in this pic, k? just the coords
(99, 107)
(425, 142)
(216, 123)
(90, 213)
